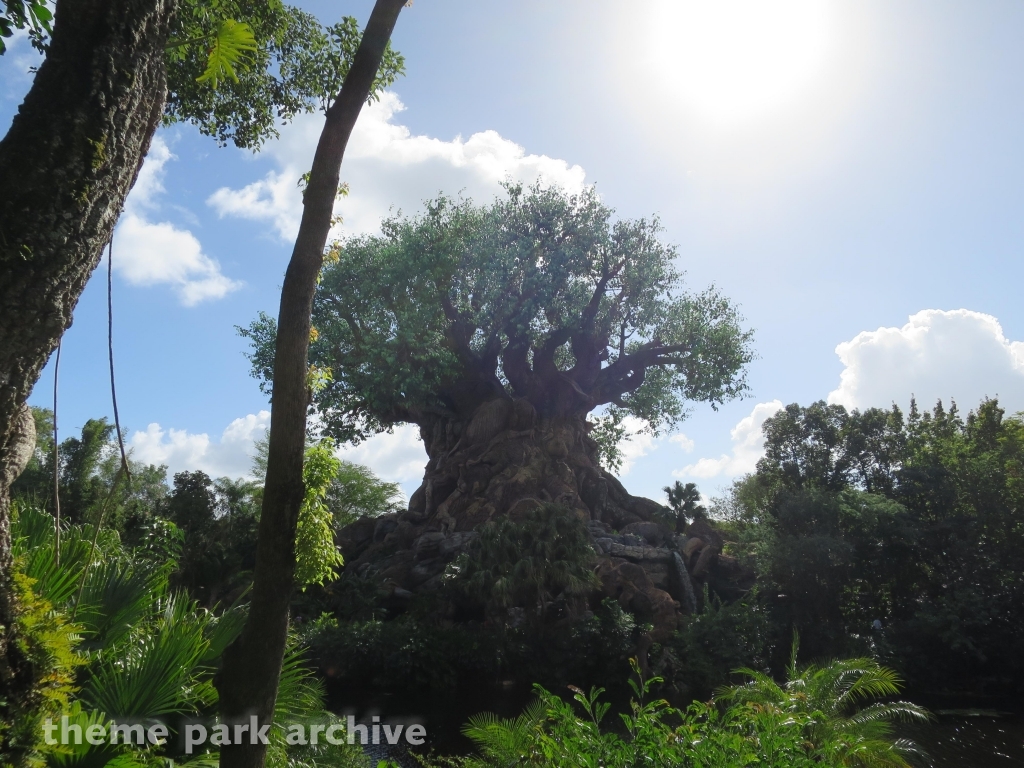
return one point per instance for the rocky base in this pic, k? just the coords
(654, 574)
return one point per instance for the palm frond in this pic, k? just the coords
(158, 675)
(506, 742)
(890, 711)
(117, 596)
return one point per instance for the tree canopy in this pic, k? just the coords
(541, 295)
(911, 519)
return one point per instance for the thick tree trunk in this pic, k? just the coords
(506, 458)
(248, 680)
(66, 166)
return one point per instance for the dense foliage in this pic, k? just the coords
(237, 68)
(815, 719)
(526, 563)
(541, 295)
(115, 641)
(897, 535)
(413, 653)
(218, 519)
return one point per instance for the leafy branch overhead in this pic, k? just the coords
(235, 68)
(297, 65)
(33, 15)
(231, 47)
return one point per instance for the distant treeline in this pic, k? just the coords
(890, 534)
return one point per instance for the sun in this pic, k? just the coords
(730, 61)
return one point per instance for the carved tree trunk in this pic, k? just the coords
(66, 166)
(505, 458)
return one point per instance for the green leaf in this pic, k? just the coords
(231, 46)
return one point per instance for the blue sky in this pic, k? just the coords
(850, 173)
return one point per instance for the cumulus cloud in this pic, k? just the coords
(182, 451)
(637, 445)
(959, 354)
(150, 253)
(387, 167)
(747, 447)
(397, 457)
(684, 443)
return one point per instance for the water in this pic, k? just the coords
(971, 738)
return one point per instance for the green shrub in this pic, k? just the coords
(710, 644)
(399, 654)
(528, 563)
(815, 719)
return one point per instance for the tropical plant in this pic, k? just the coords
(552, 733)
(770, 730)
(115, 642)
(684, 501)
(528, 563)
(316, 555)
(836, 701)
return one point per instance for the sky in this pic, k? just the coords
(850, 173)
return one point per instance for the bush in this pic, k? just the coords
(410, 652)
(815, 719)
(399, 654)
(709, 645)
(527, 564)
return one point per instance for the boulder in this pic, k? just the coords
(653, 533)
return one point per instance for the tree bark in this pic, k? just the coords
(249, 677)
(66, 165)
(509, 457)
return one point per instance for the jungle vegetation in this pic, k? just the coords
(518, 335)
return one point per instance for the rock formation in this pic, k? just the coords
(506, 460)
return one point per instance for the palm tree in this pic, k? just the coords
(846, 726)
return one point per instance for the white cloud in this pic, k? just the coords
(958, 354)
(747, 447)
(396, 457)
(153, 254)
(184, 451)
(150, 181)
(637, 445)
(685, 443)
(386, 167)
(150, 254)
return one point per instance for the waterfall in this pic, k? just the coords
(684, 578)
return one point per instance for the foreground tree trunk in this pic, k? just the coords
(248, 680)
(66, 165)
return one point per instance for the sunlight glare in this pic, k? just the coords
(730, 60)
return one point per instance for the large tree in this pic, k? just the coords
(497, 330)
